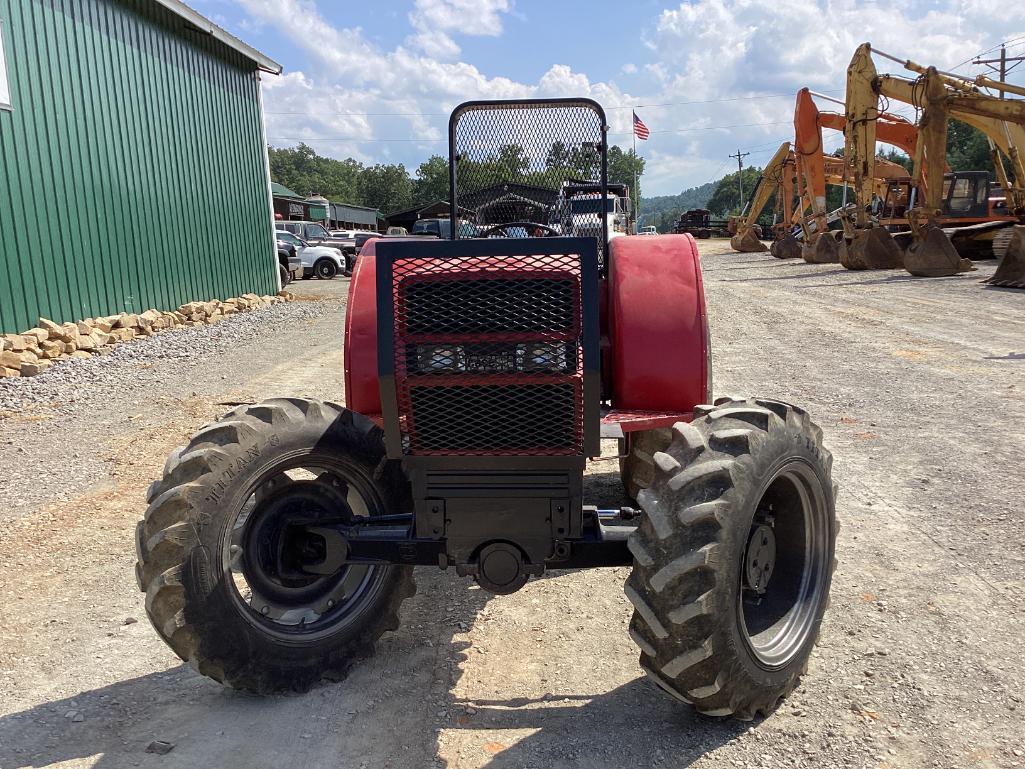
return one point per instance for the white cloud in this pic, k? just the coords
(435, 22)
(698, 53)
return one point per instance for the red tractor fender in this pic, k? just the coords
(362, 391)
(657, 325)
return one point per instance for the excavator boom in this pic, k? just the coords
(942, 96)
(746, 239)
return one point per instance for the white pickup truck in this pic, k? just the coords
(323, 261)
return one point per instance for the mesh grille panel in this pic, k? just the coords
(488, 354)
(512, 160)
(521, 418)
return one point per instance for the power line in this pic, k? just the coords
(358, 140)
(740, 173)
(327, 113)
(425, 140)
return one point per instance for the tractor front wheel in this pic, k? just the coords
(223, 544)
(734, 556)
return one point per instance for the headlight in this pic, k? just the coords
(544, 356)
(439, 359)
(495, 358)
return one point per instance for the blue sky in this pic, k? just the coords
(375, 80)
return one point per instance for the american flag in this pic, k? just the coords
(640, 130)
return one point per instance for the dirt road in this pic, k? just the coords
(919, 387)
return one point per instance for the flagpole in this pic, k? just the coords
(637, 192)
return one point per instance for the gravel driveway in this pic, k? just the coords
(918, 385)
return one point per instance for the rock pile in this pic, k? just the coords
(34, 351)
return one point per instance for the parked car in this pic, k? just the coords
(351, 234)
(347, 242)
(315, 234)
(323, 261)
(289, 264)
(443, 228)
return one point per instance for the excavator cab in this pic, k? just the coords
(966, 195)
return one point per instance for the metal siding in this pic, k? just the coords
(133, 171)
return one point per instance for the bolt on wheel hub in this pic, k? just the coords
(761, 558)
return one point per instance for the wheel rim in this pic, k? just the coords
(326, 271)
(785, 566)
(263, 547)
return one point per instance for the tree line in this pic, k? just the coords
(390, 187)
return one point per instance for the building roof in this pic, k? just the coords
(203, 24)
(281, 191)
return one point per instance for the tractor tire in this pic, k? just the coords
(216, 532)
(716, 626)
(325, 269)
(637, 468)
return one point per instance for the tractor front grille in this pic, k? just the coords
(488, 354)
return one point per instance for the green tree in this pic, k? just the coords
(624, 166)
(305, 172)
(431, 181)
(386, 187)
(726, 198)
(967, 148)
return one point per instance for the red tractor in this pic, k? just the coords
(481, 374)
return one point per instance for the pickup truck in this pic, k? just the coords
(289, 264)
(315, 234)
(323, 261)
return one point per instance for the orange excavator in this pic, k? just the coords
(822, 246)
(779, 176)
(941, 96)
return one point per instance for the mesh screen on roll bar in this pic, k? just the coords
(514, 161)
(488, 354)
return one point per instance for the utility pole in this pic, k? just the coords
(740, 174)
(1000, 65)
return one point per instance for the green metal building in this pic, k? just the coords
(133, 165)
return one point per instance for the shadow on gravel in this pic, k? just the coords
(1009, 356)
(798, 276)
(634, 725)
(404, 689)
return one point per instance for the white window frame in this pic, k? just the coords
(5, 85)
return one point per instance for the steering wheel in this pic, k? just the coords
(530, 227)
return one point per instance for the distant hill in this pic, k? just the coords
(664, 208)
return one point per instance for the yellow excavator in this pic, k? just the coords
(941, 96)
(779, 176)
(746, 239)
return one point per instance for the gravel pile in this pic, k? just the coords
(71, 382)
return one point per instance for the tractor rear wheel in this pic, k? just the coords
(734, 556)
(221, 549)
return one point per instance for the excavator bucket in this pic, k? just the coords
(747, 242)
(825, 249)
(872, 249)
(1011, 272)
(934, 256)
(786, 247)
